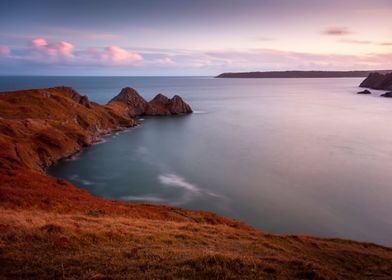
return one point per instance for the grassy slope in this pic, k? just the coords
(49, 229)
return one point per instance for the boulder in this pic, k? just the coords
(364, 92)
(387, 94)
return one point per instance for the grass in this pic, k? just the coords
(49, 245)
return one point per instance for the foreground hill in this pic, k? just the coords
(299, 74)
(50, 229)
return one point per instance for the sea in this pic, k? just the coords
(298, 156)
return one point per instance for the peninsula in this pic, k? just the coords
(300, 74)
(51, 229)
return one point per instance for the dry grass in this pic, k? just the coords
(37, 244)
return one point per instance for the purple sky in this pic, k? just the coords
(205, 37)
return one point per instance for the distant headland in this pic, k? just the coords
(301, 74)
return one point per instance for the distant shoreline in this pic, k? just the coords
(301, 74)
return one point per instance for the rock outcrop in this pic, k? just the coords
(160, 105)
(135, 103)
(364, 92)
(378, 81)
(387, 94)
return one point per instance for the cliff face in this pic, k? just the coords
(50, 229)
(38, 127)
(378, 81)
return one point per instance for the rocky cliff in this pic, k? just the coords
(39, 127)
(50, 229)
(377, 80)
(160, 105)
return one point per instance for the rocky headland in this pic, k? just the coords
(50, 229)
(298, 74)
(378, 81)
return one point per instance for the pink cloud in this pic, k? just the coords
(42, 51)
(5, 51)
(39, 43)
(337, 31)
(357, 42)
(164, 61)
(117, 55)
(112, 55)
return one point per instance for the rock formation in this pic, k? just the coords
(387, 94)
(135, 103)
(178, 106)
(364, 92)
(378, 81)
(160, 105)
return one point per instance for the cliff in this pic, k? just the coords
(39, 127)
(377, 80)
(50, 229)
(299, 74)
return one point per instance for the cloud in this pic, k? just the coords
(64, 57)
(40, 51)
(5, 51)
(39, 43)
(164, 61)
(264, 39)
(365, 42)
(358, 42)
(111, 55)
(337, 31)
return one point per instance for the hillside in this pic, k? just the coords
(50, 229)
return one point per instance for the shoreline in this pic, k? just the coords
(51, 228)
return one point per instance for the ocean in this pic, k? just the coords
(305, 156)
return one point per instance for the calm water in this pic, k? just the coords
(284, 155)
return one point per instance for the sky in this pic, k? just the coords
(186, 37)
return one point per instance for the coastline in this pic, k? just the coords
(67, 231)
